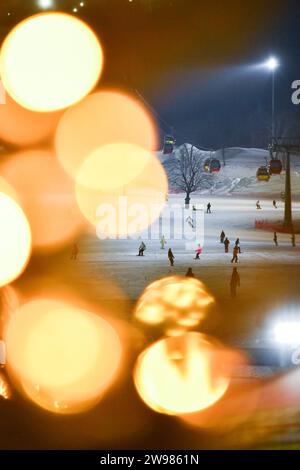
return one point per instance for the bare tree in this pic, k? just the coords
(186, 174)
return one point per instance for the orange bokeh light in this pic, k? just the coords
(9, 302)
(64, 358)
(19, 126)
(181, 375)
(15, 240)
(178, 303)
(47, 197)
(126, 209)
(102, 118)
(238, 406)
(113, 166)
(8, 189)
(5, 390)
(63, 66)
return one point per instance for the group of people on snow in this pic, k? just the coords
(235, 278)
(171, 257)
(226, 242)
(208, 208)
(259, 207)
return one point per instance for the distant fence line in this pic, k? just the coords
(271, 226)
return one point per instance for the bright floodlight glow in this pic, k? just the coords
(53, 77)
(287, 332)
(45, 3)
(272, 63)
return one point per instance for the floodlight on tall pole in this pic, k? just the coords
(272, 64)
(45, 4)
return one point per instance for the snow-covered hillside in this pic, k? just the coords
(238, 175)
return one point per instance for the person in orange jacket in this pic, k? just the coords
(235, 254)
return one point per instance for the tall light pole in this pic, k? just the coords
(272, 64)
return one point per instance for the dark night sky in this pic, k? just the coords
(195, 61)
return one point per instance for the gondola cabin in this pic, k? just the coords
(263, 174)
(275, 166)
(169, 143)
(212, 165)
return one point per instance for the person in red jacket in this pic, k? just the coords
(198, 252)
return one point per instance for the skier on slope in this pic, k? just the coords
(171, 257)
(258, 206)
(198, 252)
(235, 254)
(226, 244)
(293, 240)
(142, 248)
(208, 208)
(162, 242)
(234, 282)
(237, 243)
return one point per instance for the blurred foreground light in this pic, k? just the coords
(113, 166)
(8, 189)
(9, 302)
(181, 375)
(239, 404)
(175, 302)
(15, 240)
(63, 66)
(5, 390)
(19, 126)
(2, 353)
(47, 197)
(62, 357)
(103, 118)
(287, 332)
(118, 209)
